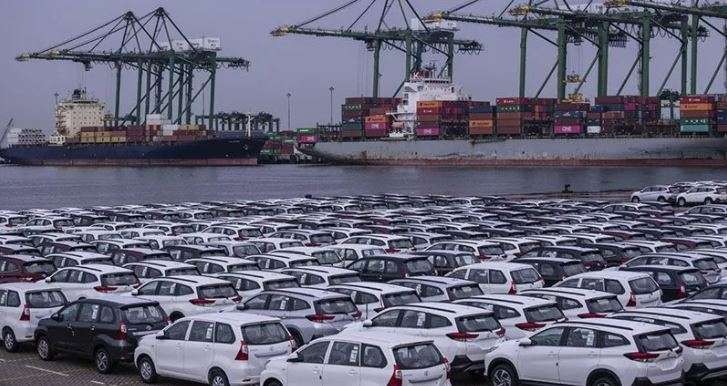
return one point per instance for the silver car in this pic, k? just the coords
(307, 313)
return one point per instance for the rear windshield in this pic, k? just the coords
(268, 333)
(706, 264)
(573, 269)
(463, 260)
(659, 341)
(546, 313)
(45, 267)
(284, 283)
(693, 279)
(591, 257)
(322, 239)
(251, 266)
(182, 271)
(45, 299)
(492, 250)
(119, 279)
(217, 291)
(525, 276)
(335, 306)
(419, 266)
(245, 250)
(463, 291)
(400, 298)
(477, 323)
(141, 314)
(327, 257)
(372, 252)
(290, 244)
(303, 263)
(418, 356)
(400, 244)
(340, 279)
(711, 329)
(604, 305)
(631, 252)
(644, 285)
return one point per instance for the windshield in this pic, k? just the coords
(251, 266)
(182, 271)
(217, 291)
(573, 269)
(322, 239)
(419, 266)
(525, 276)
(691, 279)
(706, 264)
(476, 323)
(400, 298)
(490, 250)
(711, 329)
(144, 314)
(245, 250)
(267, 333)
(303, 263)
(604, 305)
(341, 279)
(335, 306)
(463, 291)
(644, 285)
(45, 267)
(631, 252)
(656, 342)
(546, 313)
(283, 283)
(45, 299)
(400, 244)
(327, 257)
(122, 278)
(418, 356)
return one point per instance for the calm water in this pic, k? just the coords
(50, 187)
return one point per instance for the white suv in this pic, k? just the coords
(499, 277)
(702, 195)
(219, 349)
(606, 352)
(360, 359)
(633, 289)
(22, 305)
(92, 281)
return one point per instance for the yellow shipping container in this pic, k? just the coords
(429, 104)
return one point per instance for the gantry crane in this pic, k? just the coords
(416, 38)
(146, 44)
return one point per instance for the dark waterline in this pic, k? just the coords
(51, 187)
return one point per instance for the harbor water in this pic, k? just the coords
(52, 187)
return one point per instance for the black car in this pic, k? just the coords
(717, 291)
(135, 255)
(446, 261)
(553, 269)
(105, 330)
(675, 282)
(186, 252)
(66, 246)
(590, 257)
(616, 254)
(382, 268)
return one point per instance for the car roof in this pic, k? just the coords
(383, 339)
(99, 268)
(567, 291)
(262, 275)
(383, 288)
(611, 274)
(656, 267)
(440, 280)
(615, 325)
(444, 309)
(671, 314)
(547, 259)
(194, 279)
(28, 286)
(524, 301)
(496, 265)
(162, 264)
(308, 292)
(233, 317)
(321, 269)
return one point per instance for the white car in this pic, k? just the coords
(269, 244)
(661, 193)
(702, 195)
(220, 264)
(519, 315)
(218, 349)
(22, 305)
(186, 295)
(148, 270)
(499, 277)
(92, 281)
(440, 289)
(702, 336)
(605, 353)
(462, 333)
(321, 277)
(579, 303)
(371, 298)
(361, 359)
(251, 283)
(484, 250)
(633, 289)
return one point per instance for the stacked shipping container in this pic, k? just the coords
(697, 114)
(481, 117)
(355, 110)
(437, 119)
(569, 118)
(511, 114)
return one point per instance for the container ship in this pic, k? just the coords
(436, 123)
(81, 140)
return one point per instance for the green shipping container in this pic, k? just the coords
(695, 128)
(694, 121)
(306, 130)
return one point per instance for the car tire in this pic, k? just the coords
(44, 349)
(504, 375)
(147, 370)
(102, 361)
(9, 342)
(604, 380)
(635, 199)
(661, 199)
(681, 202)
(218, 378)
(708, 201)
(273, 382)
(175, 316)
(297, 339)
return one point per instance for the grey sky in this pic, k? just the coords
(305, 66)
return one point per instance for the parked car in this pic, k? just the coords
(446, 261)
(590, 257)
(438, 289)
(500, 277)
(251, 283)
(633, 289)
(553, 269)
(72, 259)
(702, 195)
(382, 268)
(148, 270)
(22, 305)
(92, 281)
(579, 303)
(321, 276)
(16, 268)
(372, 298)
(219, 264)
(675, 282)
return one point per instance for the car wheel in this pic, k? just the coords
(44, 349)
(218, 378)
(707, 200)
(661, 199)
(635, 199)
(175, 316)
(273, 382)
(9, 342)
(298, 339)
(681, 202)
(147, 371)
(102, 360)
(604, 380)
(504, 375)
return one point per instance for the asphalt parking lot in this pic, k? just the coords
(24, 368)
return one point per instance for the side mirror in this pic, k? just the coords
(47, 280)
(161, 336)
(368, 323)
(56, 317)
(525, 342)
(135, 292)
(241, 307)
(293, 358)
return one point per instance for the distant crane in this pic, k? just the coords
(6, 131)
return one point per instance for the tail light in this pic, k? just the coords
(591, 315)
(356, 314)
(462, 336)
(701, 344)
(243, 354)
(25, 315)
(632, 301)
(236, 299)
(641, 356)
(201, 302)
(513, 289)
(319, 318)
(681, 292)
(104, 288)
(530, 326)
(121, 333)
(396, 378)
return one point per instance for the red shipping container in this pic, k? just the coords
(567, 129)
(307, 138)
(512, 101)
(428, 131)
(697, 99)
(375, 133)
(509, 130)
(377, 126)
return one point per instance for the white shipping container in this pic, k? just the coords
(154, 119)
(197, 44)
(212, 44)
(180, 45)
(168, 129)
(593, 129)
(666, 113)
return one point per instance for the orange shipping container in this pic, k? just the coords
(696, 106)
(481, 124)
(429, 104)
(377, 119)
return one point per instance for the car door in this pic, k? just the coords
(198, 350)
(85, 328)
(542, 356)
(169, 351)
(61, 333)
(667, 284)
(307, 370)
(481, 277)
(375, 270)
(342, 365)
(577, 356)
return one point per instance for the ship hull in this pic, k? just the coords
(204, 152)
(528, 152)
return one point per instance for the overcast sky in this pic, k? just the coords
(302, 65)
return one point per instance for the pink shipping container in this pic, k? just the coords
(568, 129)
(377, 126)
(428, 131)
(375, 133)
(307, 138)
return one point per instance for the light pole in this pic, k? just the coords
(289, 95)
(331, 90)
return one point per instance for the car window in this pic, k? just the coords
(709, 293)
(13, 299)
(257, 302)
(663, 279)
(497, 277)
(570, 283)
(413, 319)
(479, 276)
(344, 354)
(364, 298)
(581, 337)
(386, 319)
(107, 315)
(278, 303)
(88, 313)
(314, 353)
(459, 274)
(549, 337)
(375, 266)
(436, 321)
(592, 284)
(177, 331)
(373, 357)
(613, 340)
(167, 288)
(505, 312)
(201, 331)
(224, 333)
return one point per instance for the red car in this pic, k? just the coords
(16, 268)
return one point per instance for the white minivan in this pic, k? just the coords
(22, 305)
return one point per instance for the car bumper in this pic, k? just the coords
(643, 381)
(699, 372)
(462, 364)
